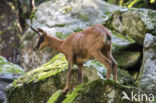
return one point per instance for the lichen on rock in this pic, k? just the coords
(45, 80)
(134, 22)
(98, 91)
(9, 68)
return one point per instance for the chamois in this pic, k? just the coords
(93, 42)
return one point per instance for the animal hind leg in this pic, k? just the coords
(108, 54)
(80, 76)
(100, 57)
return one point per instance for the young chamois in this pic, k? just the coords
(93, 42)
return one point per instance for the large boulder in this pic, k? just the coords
(147, 76)
(8, 72)
(37, 85)
(9, 68)
(125, 50)
(47, 79)
(133, 22)
(101, 91)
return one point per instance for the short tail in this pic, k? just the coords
(109, 37)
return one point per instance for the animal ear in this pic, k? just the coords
(40, 30)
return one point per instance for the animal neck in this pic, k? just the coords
(55, 43)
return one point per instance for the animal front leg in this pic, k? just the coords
(66, 88)
(80, 77)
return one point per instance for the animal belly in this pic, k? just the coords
(81, 60)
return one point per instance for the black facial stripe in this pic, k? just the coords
(41, 39)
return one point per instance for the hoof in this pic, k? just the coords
(65, 90)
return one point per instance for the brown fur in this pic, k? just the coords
(92, 42)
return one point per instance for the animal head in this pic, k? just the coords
(41, 41)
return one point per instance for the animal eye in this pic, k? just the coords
(41, 39)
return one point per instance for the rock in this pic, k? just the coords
(51, 76)
(98, 91)
(37, 85)
(9, 68)
(147, 74)
(133, 22)
(8, 72)
(127, 59)
(60, 19)
(125, 50)
(125, 78)
(3, 84)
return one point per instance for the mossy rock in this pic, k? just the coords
(123, 50)
(133, 22)
(98, 91)
(37, 85)
(9, 68)
(128, 59)
(57, 97)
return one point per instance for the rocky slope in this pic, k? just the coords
(38, 85)
(133, 45)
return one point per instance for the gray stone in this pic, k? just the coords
(134, 22)
(8, 72)
(147, 75)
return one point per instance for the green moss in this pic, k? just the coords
(83, 17)
(52, 68)
(57, 97)
(57, 81)
(68, 9)
(2, 16)
(77, 92)
(60, 35)
(33, 15)
(132, 58)
(60, 25)
(106, 14)
(8, 67)
(78, 30)
(95, 89)
(125, 78)
(124, 37)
